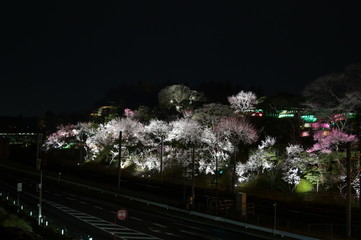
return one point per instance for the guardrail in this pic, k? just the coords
(168, 207)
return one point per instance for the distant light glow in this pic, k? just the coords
(325, 133)
(309, 118)
(68, 146)
(305, 134)
(352, 115)
(325, 125)
(286, 114)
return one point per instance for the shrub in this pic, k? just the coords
(304, 186)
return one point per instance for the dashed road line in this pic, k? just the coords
(70, 198)
(172, 234)
(137, 219)
(199, 235)
(72, 195)
(159, 225)
(192, 227)
(84, 203)
(98, 207)
(120, 231)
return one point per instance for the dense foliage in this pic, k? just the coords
(207, 136)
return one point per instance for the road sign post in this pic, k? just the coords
(19, 188)
(121, 214)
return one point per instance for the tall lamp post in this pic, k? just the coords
(120, 159)
(161, 159)
(275, 218)
(40, 188)
(348, 200)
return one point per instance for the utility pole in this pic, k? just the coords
(274, 218)
(348, 199)
(217, 179)
(120, 159)
(193, 194)
(359, 181)
(233, 179)
(40, 188)
(161, 160)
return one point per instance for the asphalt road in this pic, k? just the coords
(84, 216)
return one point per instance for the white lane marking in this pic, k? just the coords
(98, 207)
(72, 195)
(200, 235)
(159, 225)
(83, 202)
(108, 227)
(142, 238)
(71, 199)
(134, 218)
(154, 230)
(172, 234)
(187, 226)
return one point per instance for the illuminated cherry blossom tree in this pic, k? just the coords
(294, 164)
(186, 132)
(154, 144)
(106, 139)
(237, 131)
(243, 101)
(61, 138)
(330, 142)
(68, 135)
(262, 160)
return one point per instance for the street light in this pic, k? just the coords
(40, 185)
(275, 219)
(120, 159)
(161, 159)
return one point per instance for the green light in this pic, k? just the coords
(309, 118)
(286, 114)
(68, 146)
(352, 115)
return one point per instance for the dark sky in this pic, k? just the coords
(62, 56)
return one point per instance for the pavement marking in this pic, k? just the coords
(69, 198)
(121, 232)
(187, 226)
(98, 207)
(134, 218)
(154, 230)
(83, 202)
(199, 235)
(159, 225)
(172, 234)
(72, 195)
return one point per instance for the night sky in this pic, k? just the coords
(62, 56)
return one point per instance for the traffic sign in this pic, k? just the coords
(122, 214)
(19, 187)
